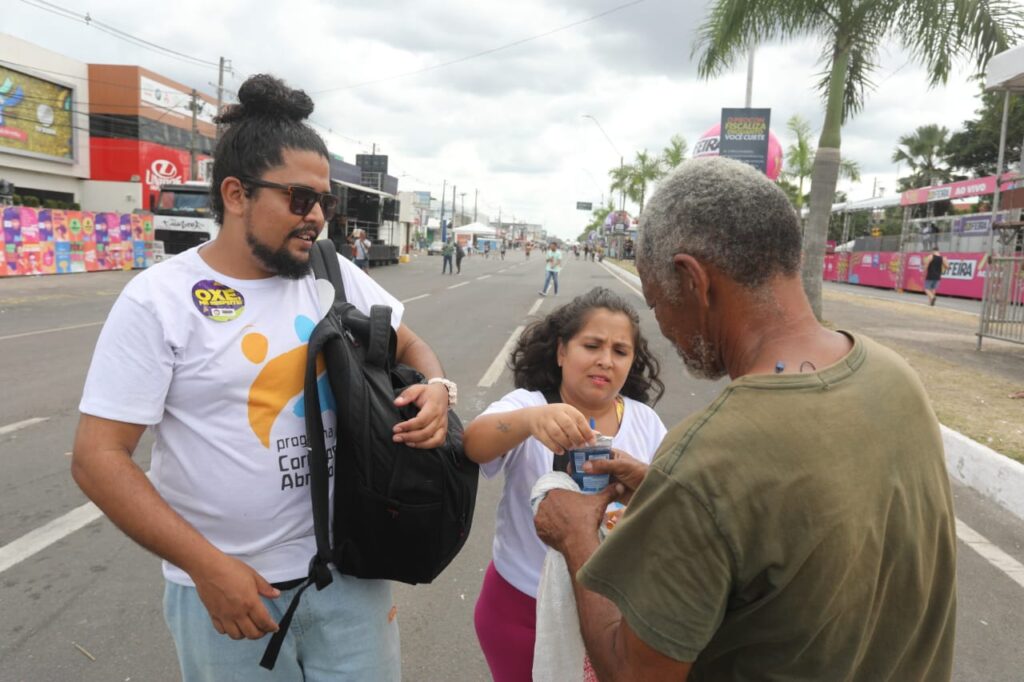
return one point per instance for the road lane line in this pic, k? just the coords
(483, 276)
(616, 276)
(50, 331)
(415, 298)
(990, 553)
(460, 284)
(535, 307)
(35, 541)
(494, 371)
(11, 428)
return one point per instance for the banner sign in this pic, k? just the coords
(169, 99)
(744, 136)
(954, 190)
(46, 242)
(35, 116)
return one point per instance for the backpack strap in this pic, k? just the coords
(558, 462)
(324, 261)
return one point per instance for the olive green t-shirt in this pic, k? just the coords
(799, 528)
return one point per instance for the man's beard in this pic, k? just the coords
(701, 362)
(280, 261)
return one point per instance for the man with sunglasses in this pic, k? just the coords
(209, 348)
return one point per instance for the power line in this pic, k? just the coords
(88, 20)
(483, 53)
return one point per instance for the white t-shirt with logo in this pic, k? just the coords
(518, 552)
(216, 366)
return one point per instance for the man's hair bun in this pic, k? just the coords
(265, 96)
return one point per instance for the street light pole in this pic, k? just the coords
(622, 198)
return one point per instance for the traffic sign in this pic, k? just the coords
(584, 206)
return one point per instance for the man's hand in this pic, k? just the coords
(625, 469)
(566, 518)
(429, 428)
(231, 591)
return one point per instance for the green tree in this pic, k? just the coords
(598, 215)
(800, 162)
(934, 32)
(622, 182)
(645, 170)
(675, 153)
(975, 149)
(923, 151)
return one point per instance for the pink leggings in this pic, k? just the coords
(506, 625)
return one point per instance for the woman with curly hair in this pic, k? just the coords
(585, 360)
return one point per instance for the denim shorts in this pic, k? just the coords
(931, 284)
(348, 631)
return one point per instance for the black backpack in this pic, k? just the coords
(399, 513)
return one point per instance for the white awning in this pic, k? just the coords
(1005, 71)
(368, 190)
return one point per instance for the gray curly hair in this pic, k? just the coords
(724, 213)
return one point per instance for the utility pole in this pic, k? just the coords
(453, 206)
(224, 63)
(462, 211)
(192, 165)
(476, 195)
(750, 77)
(444, 191)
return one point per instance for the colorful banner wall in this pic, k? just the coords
(41, 241)
(964, 274)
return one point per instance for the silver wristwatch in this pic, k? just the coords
(453, 390)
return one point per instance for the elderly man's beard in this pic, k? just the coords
(701, 361)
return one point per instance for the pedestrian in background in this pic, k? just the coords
(552, 266)
(587, 359)
(361, 253)
(934, 266)
(460, 253)
(447, 251)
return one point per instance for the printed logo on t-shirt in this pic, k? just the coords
(280, 383)
(217, 301)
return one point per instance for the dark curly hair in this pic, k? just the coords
(534, 362)
(267, 120)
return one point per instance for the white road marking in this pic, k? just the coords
(415, 298)
(50, 331)
(494, 371)
(35, 541)
(460, 284)
(535, 307)
(990, 553)
(11, 428)
(616, 276)
(483, 276)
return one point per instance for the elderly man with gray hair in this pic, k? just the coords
(801, 526)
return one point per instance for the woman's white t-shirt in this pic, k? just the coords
(216, 365)
(518, 552)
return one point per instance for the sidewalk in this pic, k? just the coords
(969, 389)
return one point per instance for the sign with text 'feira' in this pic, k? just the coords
(35, 116)
(744, 136)
(584, 206)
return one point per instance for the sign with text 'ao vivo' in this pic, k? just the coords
(954, 190)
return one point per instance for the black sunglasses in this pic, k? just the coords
(301, 199)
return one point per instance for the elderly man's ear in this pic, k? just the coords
(694, 278)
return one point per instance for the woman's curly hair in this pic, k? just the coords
(534, 362)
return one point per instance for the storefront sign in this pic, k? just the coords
(35, 116)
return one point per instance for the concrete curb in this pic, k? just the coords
(995, 476)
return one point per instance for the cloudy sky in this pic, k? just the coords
(508, 123)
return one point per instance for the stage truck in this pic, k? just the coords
(182, 217)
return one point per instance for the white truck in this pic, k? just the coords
(182, 217)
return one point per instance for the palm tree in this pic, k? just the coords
(800, 160)
(646, 169)
(622, 182)
(923, 150)
(935, 32)
(675, 153)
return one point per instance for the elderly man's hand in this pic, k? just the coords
(566, 517)
(625, 469)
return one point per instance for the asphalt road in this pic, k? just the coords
(85, 605)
